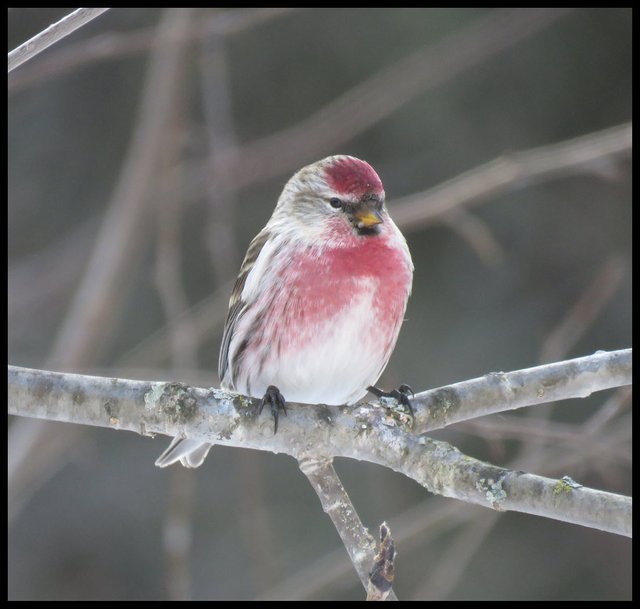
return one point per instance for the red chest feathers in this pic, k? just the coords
(325, 283)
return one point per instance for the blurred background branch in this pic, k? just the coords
(593, 153)
(96, 301)
(383, 93)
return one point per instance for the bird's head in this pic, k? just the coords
(336, 196)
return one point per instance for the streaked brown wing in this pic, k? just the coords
(236, 304)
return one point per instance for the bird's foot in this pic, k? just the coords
(401, 394)
(276, 402)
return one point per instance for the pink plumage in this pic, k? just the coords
(317, 308)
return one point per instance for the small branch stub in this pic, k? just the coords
(382, 573)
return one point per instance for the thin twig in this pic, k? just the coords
(584, 154)
(52, 34)
(335, 501)
(114, 45)
(521, 428)
(460, 549)
(586, 309)
(619, 400)
(553, 432)
(476, 233)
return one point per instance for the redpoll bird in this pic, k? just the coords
(316, 310)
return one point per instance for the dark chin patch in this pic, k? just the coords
(372, 230)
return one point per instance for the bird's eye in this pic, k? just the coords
(335, 202)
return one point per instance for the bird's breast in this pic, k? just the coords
(328, 330)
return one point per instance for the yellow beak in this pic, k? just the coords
(366, 218)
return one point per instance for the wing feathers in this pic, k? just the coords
(236, 303)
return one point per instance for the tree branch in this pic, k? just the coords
(365, 432)
(52, 34)
(336, 503)
(501, 391)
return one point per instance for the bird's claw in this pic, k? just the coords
(276, 402)
(401, 394)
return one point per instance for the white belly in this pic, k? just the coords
(342, 357)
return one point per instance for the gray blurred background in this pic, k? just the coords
(148, 148)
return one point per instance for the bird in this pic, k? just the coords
(317, 307)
